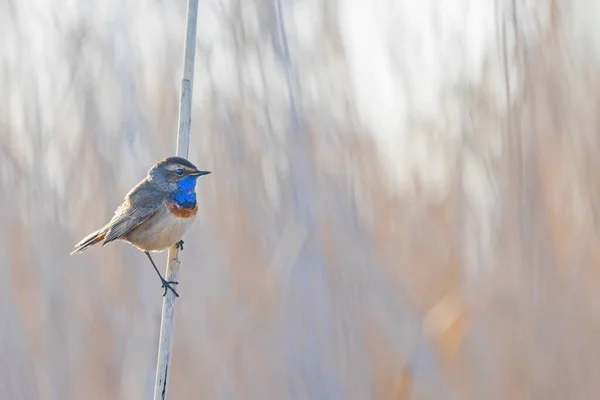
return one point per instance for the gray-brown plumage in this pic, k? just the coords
(155, 213)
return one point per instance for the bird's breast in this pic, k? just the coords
(165, 228)
(180, 211)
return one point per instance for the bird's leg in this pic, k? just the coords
(165, 284)
(179, 245)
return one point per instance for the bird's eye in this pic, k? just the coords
(179, 171)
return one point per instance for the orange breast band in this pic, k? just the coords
(182, 212)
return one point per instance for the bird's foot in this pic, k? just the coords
(167, 285)
(179, 245)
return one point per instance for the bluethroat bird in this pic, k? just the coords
(155, 213)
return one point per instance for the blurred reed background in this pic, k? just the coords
(403, 205)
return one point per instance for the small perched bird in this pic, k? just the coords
(155, 213)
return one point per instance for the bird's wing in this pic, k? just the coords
(139, 205)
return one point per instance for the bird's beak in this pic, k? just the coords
(199, 173)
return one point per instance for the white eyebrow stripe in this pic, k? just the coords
(178, 166)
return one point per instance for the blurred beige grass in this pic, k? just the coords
(428, 232)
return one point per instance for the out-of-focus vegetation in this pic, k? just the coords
(403, 205)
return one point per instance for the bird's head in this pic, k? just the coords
(175, 174)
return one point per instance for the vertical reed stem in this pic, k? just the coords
(167, 325)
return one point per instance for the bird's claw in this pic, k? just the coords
(167, 285)
(179, 245)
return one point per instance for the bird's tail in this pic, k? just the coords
(89, 241)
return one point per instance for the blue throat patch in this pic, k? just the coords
(185, 196)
